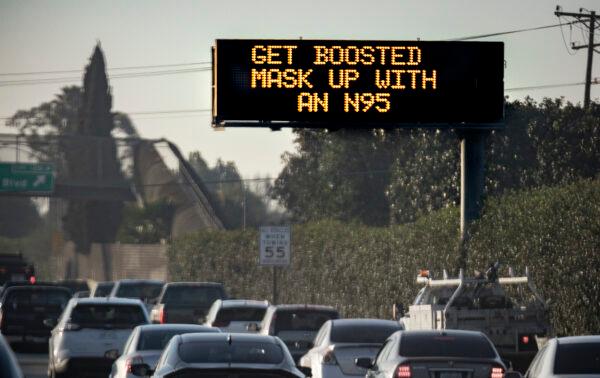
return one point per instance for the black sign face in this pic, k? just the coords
(322, 83)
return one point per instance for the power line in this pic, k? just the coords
(513, 31)
(108, 69)
(59, 80)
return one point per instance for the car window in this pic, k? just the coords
(367, 333)
(193, 295)
(223, 352)
(157, 339)
(107, 315)
(577, 358)
(302, 320)
(32, 297)
(103, 290)
(248, 314)
(143, 291)
(443, 345)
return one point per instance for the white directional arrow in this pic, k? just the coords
(39, 180)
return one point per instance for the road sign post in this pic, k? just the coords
(275, 251)
(26, 178)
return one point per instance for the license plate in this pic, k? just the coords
(450, 375)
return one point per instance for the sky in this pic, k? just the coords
(61, 34)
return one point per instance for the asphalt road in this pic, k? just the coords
(34, 365)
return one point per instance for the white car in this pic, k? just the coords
(340, 341)
(236, 315)
(87, 330)
(147, 342)
(575, 356)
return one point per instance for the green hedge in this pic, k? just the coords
(363, 270)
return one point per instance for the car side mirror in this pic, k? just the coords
(513, 374)
(49, 322)
(111, 354)
(364, 362)
(141, 370)
(305, 370)
(253, 327)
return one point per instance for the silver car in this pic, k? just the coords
(146, 344)
(222, 355)
(340, 341)
(440, 354)
(87, 330)
(575, 356)
(236, 315)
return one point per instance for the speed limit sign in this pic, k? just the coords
(275, 246)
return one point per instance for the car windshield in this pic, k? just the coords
(579, 358)
(247, 314)
(237, 352)
(302, 320)
(139, 290)
(107, 315)
(440, 345)
(363, 333)
(192, 295)
(157, 339)
(103, 290)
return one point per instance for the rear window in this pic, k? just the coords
(432, 345)
(158, 339)
(238, 352)
(33, 297)
(193, 295)
(107, 316)
(103, 290)
(143, 291)
(241, 314)
(302, 320)
(581, 358)
(368, 333)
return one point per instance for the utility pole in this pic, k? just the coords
(591, 18)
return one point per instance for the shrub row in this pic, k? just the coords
(363, 270)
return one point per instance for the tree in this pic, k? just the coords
(236, 203)
(89, 221)
(148, 224)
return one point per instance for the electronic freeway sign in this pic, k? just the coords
(321, 83)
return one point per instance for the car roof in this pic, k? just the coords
(35, 287)
(303, 307)
(107, 300)
(225, 337)
(232, 303)
(178, 327)
(578, 339)
(129, 280)
(364, 322)
(444, 332)
(174, 284)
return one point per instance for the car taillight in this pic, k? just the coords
(162, 319)
(135, 360)
(329, 358)
(403, 371)
(220, 323)
(497, 372)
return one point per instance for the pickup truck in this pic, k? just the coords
(186, 302)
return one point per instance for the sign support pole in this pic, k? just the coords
(472, 163)
(275, 293)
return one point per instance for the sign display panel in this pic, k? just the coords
(275, 249)
(26, 177)
(323, 83)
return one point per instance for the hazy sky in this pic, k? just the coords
(60, 35)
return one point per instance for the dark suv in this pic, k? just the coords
(186, 302)
(28, 313)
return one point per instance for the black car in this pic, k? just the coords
(186, 302)
(28, 313)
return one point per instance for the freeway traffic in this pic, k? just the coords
(153, 328)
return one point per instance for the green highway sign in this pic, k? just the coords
(26, 178)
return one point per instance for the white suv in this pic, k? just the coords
(91, 333)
